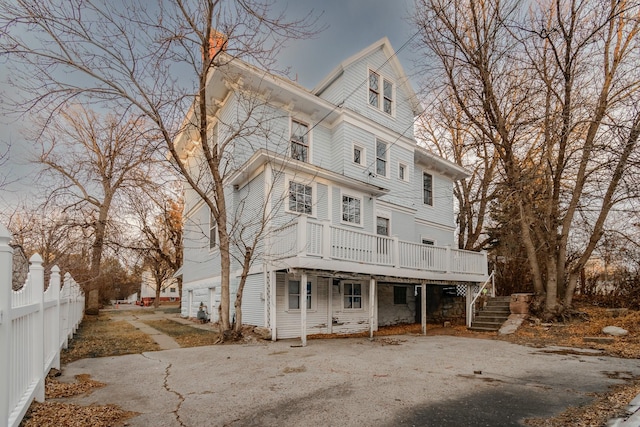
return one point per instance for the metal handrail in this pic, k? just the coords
(472, 305)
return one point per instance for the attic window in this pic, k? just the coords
(382, 100)
(299, 141)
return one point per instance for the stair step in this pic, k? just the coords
(493, 319)
(482, 329)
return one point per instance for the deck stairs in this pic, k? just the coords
(491, 317)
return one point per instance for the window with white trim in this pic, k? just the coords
(402, 172)
(427, 189)
(213, 231)
(382, 226)
(380, 92)
(428, 242)
(374, 89)
(299, 141)
(381, 158)
(358, 155)
(172, 290)
(352, 293)
(300, 198)
(351, 209)
(293, 294)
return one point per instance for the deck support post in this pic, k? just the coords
(423, 308)
(303, 308)
(372, 306)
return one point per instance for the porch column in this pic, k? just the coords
(330, 306)
(302, 236)
(303, 308)
(423, 308)
(469, 298)
(272, 303)
(372, 305)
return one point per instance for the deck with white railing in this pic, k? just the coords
(307, 243)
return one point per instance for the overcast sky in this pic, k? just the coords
(352, 25)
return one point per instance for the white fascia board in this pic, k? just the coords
(439, 164)
(262, 156)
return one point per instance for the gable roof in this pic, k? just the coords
(385, 45)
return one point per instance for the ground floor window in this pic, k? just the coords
(399, 295)
(352, 296)
(294, 295)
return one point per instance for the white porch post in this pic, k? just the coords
(330, 306)
(326, 239)
(469, 297)
(6, 269)
(448, 260)
(302, 236)
(423, 308)
(272, 303)
(396, 252)
(303, 308)
(372, 305)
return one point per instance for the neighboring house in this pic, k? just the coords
(20, 268)
(364, 216)
(168, 290)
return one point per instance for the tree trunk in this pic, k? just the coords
(93, 301)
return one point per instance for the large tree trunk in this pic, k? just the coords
(95, 281)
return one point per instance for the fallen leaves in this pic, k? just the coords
(56, 414)
(54, 389)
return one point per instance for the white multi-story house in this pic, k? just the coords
(363, 217)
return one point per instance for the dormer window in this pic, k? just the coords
(299, 141)
(380, 93)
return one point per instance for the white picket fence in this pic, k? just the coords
(34, 326)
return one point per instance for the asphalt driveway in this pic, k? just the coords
(391, 381)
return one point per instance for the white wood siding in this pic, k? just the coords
(253, 301)
(288, 322)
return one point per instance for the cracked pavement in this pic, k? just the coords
(407, 380)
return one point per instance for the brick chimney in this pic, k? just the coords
(217, 43)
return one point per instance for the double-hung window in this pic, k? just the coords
(299, 141)
(300, 198)
(294, 295)
(352, 296)
(382, 226)
(358, 155)
(381, 158)
(213, 231)
(380, 93)
(374, 89)
(427, 189)
(351, 209)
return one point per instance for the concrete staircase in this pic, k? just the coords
(492, 316)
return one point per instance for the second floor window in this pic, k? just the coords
(374, 89)
(299, 141)
(381, 158)
(357, 155)
(351, 209)
(427, 187)
(382, 226)
(300, 198)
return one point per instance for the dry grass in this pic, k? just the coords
(571, 334)
(54, 389)
(99, 336)
(185, 335)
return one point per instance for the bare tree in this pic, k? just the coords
(445, 129)
(555, 92)
(155, 61)
(90, 160)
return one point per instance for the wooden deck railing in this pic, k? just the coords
(310, 238)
